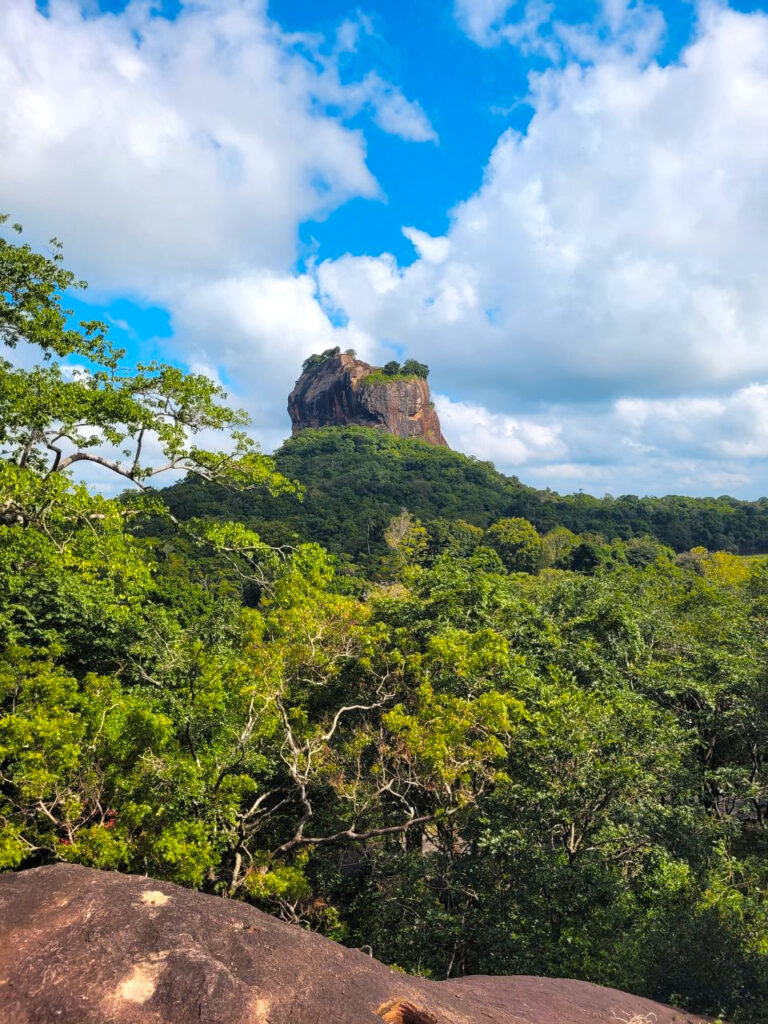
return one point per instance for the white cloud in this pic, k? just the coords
(599, 305)
(428, 248)
(628, 26)
(173, 149)
(390, 110)
(480, 19)
(696, 444)
(505, 440)
(176, 159)
(616, 250)
(733, 426)
(265, 325)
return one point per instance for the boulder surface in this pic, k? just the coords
(79, 946)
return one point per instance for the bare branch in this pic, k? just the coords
(349, 834)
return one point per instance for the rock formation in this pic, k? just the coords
(341, 390)
(79, 946)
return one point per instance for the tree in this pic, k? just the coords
(406, 539)
(314, 361)
(197, 739)
(456, 537)
(593, 553)
(556, 547)
(356, 479)
(415, 368)
(392, 368)
(94, 408)
(517, 542)
(470, 767)
(642, 551)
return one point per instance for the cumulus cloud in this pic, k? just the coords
(616, 250)
(505, 440)
(177, 159)
(696, 444)
(168, 149)
(615, 247)
(733, 426)
(428, 248)
(265, 324)
(597, 311)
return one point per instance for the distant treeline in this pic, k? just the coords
(357, 479)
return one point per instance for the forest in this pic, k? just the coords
(355, 479)
(376, 688)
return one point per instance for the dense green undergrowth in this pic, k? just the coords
(470, 745)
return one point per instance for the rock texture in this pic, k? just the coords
(337, 393)
(79, 946)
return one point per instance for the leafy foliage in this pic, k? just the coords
(314, 361)
(410, 368)
(489, 750)
(55, 415)
(356, 480)
(517, 542)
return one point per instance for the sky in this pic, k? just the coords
(562, 208)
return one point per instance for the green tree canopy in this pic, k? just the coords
(413, 366)
(440, 752)
(517, 542)
(94, 408)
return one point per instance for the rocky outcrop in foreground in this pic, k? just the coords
(344, 391)
(79, 946)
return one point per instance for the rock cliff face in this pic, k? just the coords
(345, 391)
(79, 946)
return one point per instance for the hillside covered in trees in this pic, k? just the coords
(356, 479)
(472, 736)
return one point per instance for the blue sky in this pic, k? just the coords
(561, 207)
